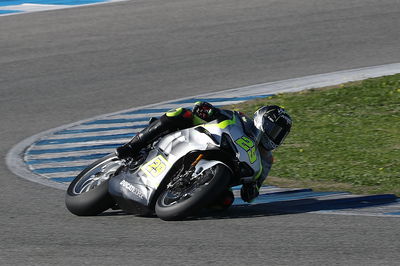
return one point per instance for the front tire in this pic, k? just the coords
(87, 195)
(170, 206)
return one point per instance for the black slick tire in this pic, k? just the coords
(92, 202)
(200, 199)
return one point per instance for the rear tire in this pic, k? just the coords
(168, 210)
(87, 195)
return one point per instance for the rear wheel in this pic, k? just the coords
(184, 197)
(88, 192)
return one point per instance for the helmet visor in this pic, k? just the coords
(275, 132)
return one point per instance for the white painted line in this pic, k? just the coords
(32, 7)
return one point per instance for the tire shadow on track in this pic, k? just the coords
(297, 206)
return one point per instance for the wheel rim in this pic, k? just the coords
(177, 193)
(97, 175)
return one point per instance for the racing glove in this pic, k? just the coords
(124, 151)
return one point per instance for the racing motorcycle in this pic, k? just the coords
(173, 177)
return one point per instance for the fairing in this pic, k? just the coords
(135, 189)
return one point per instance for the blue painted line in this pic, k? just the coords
(73, 149)
(50, 2)
(146, 111)
(52, 170)
(300, 203)
(116, 121)
(63, 179)
(299, 195)
(192, 101)
(371, 198)
(221, 99)
(278, 192)
(83, 139)
(66, 159)
(90, 130)
(269, 198)
(355, 202)
(289, 191)
(324, 204)
(9, 11)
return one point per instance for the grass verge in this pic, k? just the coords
(344, 137)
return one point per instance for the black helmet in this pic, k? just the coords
(274, 123)
(205, 111)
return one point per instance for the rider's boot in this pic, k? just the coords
(249, 191)
(156, 129)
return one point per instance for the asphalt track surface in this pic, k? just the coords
(62, 66)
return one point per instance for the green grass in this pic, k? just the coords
(343, 137)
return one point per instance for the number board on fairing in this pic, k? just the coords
(155, 167)
(248, 145)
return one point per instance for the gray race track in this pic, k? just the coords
(62, 66)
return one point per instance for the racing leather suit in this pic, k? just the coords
(182, 118)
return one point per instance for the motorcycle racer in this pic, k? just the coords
(269, 127)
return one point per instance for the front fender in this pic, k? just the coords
(204, 164)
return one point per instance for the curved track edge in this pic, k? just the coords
(16, 164)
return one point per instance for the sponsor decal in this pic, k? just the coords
(132, 189)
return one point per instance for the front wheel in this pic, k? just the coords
(88, 193)
(181, 200)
